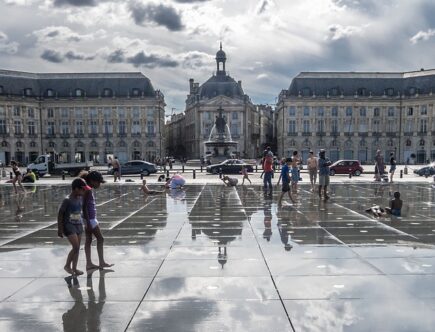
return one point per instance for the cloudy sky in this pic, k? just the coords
(267, 41)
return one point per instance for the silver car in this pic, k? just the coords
(137, 167)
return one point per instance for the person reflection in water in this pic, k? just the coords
(80, 318)
(19, 202)
(283, 228)
(267, 211)
(222, 256)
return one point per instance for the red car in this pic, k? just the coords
(346, 167)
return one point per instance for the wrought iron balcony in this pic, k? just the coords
(93, 135)
(320, 133)
(292, 133)
(408, 133)
(305, 133)
(81, 135)
(64, 135)
(151, 135)
(376, 134)
(391, 134)
(422, 133)
(348, 133)
(363, 134)
(136, 135)
(50, 136)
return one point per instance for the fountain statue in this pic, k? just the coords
(220, 144)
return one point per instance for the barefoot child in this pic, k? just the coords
(285, 176)
(69, 223)
(144, 188)
(245, 175)
(94, 179)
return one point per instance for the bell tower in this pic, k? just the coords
(221, 58)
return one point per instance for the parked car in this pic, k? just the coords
(346, 167)
(426, 171)
(230, 166)
(137, 167)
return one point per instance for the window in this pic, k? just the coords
(49, 93)
(306, 111)
(121, 112)
(361, 92)
(17, 110)
(423, 109)
(292, 126)
(334, 126)
(150, 112)
(334, 143)
(50, 128)
(234, 129)
(64, 112)
(335, 91)
(31, 128)
(320, 126)
(135, 129)
(107, 92)
(17, 126)
(391, 111)
(410, 111)
(108, 129)
(235, 115)
(150, 127)
(150, 144)
(33, 144)
(376, 126)
(306, 126)
(409, 126)
(348, 126)
(423, 126)
(107, 112)
(408, 142)
(19, 144)
(320, 111)
(79, 112)
(93, 127)
(30, 112)
(2, 127)
(79, 93)
(28, 92)
(334, 111)
(135, 92)
(50, 113)
(121, 128)
(64, 127)
(122, 144)
(391, 126)
(93, 113)
(136, 144)
(412, 91)
(362, 111)
(292, 111)
(376, 112)
(4, 144)
(136, 112)
(79, 127)
(422, 142)
(2, 112)
(362, 126)
(306, 92)
(349, 111)
(389, 92)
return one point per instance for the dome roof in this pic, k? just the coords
(221, 85)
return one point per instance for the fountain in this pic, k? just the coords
(220, 143)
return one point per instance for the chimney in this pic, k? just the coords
(191, 85)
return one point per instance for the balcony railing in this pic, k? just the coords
(305, 133)
(363, 134)
(64, 135)
(79, 135)
(4, 134)
(93, 135)
(292, 133)
(391, 134)
(408, 133)
(422, 133)
(136, 135)
(122, 135)
(348, 133)
(320, 133)
(376, 134)
(50, 136)
(151, 135)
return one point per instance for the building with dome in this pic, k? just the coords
(220, 91)
(352, 114)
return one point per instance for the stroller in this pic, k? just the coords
(380, 176)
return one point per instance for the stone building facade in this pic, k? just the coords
(351, 115)
(202, 104)
(80, 117)
(176, 136)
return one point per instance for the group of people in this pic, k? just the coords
(18, 178)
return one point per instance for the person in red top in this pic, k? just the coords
(268, 171)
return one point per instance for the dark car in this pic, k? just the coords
(426, 171)
(229, 166)
(137, 167)
(346, 167)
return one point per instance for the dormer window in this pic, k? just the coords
(362, 92)
(412, 91)
(79, 93)
(306, 92)
(107, 92)
(335, 91)
(49, 93)
(28, 92)
(389, 92)
(135, 92)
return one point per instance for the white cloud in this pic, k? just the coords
(337, 31)
(65, 34)
(422, 35)
(7, 46)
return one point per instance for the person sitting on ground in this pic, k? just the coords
(29, 177)
(377, 211)
(230, 182)
(395, 208)
(144, 188)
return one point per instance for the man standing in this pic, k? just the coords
(116, 169)
(312, 164)
(379, 166)
(324, 164)
(268, 171)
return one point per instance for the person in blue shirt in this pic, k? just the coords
(285, 177)
(324, 164)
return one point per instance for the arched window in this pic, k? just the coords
(150, 144)
(19, 144)
(107, 92)
(408, 142)
(390, 142)
(422, 142)
(361, 92)
(122, 144)
(136, 144)
(108, 144)
(27, 92)
(334, 143)
(33, 144)
(80, 144)
(306, 92)
(4, 144)
(412, 91)
(94, 144)
(348, 144)
(135, 92)
(49, 93)
(362, 142)
(65, 144)
(79, 93)
(307, 143)
(335, 91)
(51, 144)
(292, 143)
(389, 92)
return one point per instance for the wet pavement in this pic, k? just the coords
(224, 259)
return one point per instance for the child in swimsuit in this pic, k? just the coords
(18, 177)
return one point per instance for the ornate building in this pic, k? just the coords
(351, 115)
(241, 115)
(85, 116)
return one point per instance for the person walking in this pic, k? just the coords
(245, 175)
(268, 172)
(312, 165)
(379, 166)
(116, 169)
(296, 161)
(285, 177)
(324, 164)
(392, 166)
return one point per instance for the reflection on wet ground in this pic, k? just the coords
(224, 259)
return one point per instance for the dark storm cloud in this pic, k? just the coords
(52, 56)
(141, 59)
(58, 57)
(159, 14)
(151, 61)
(76, 3)
(53, 33)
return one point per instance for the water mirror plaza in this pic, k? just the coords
(215, 258)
